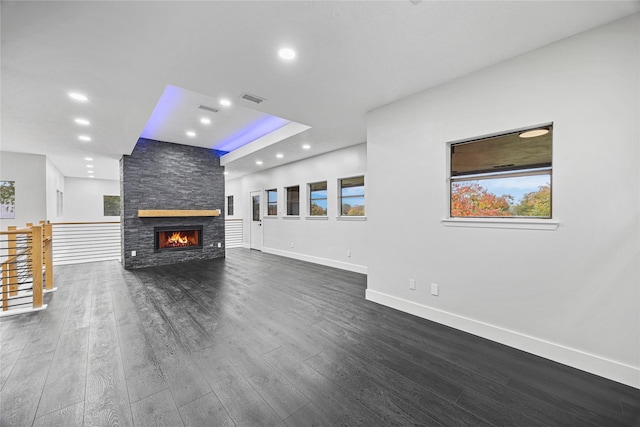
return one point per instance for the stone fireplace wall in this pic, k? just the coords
(162, 175)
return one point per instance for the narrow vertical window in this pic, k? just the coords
(230, 205)
(272, 202)
(255, 207)
(318, 199)
(507, 175)
(293, 200)
(60, 203)
(352, 196)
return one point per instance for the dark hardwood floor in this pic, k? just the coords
(256, 339)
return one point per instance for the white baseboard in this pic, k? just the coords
(597, 365)
(318, 260)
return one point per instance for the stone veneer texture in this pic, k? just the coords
(162, 175)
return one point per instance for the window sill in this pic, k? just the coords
(290, 217)
(270, 217)
(506, 223)
(315, 217)
(351, 218)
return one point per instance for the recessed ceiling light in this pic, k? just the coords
(89, 166)
(279, 155)
(89, 159)
(191, 133)
(78, 96)
(533, 133)
(83, 122)
(84, 138)
(225, 173)
(205, 120)
(287, 53)
(225, 102)
(258, 162)
(306, 146)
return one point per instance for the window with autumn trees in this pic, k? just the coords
(505, 175)
(352, 196)
(272, 202)
(318, 198)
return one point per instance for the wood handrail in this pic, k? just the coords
(17, 231)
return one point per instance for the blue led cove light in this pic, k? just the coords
(255, 130)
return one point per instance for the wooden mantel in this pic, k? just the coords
(158, 213)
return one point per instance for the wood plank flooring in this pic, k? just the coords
(255, 339)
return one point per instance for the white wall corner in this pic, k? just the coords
(619, 372)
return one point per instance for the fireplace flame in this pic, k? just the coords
(177, 239)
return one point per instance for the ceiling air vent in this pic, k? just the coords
(204, 107)
(252, 98)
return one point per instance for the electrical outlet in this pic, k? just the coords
(435, 289)
(219, 244)
(412, 284)
(348, 253)
(292, 245)
(133, 253)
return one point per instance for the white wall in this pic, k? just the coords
(321, 241)
(83, 199)
(233, 188)
(55, 183)
(571, 295)
(29, 173)
(37, 180)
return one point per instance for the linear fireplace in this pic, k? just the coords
(177, 238)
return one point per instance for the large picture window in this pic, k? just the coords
(318, 199)
(272, 202)
(352, 196)
(507, 175)
(293, 200)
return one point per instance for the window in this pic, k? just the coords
(111, 205)
(318, 199)
(60, 203)
(293, 200)
(352, 196)
(229, 205)
(8, 200)
(272, 202)
(255, 207)
(507, 175)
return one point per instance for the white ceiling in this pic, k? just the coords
(352, 57)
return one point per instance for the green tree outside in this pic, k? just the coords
(536, 203)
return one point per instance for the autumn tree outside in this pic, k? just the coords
(470, 199)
